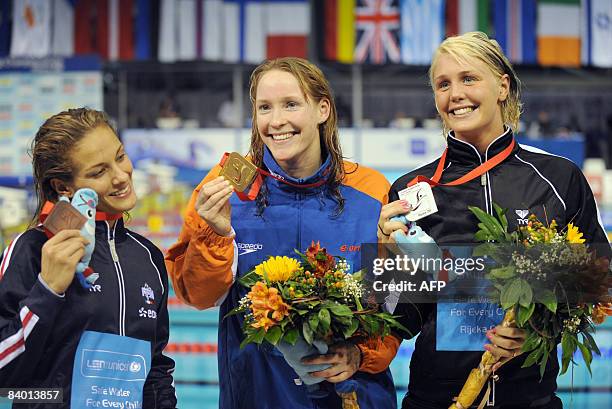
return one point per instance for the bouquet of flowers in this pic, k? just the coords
(313, 298)
(549, 283)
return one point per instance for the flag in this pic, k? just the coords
(62, 22)
(233, 30)
(377, 24)
(31, 28)
(5, 28)
(558, 30)
(515, 22)
(422, 29)
(596, 36)
(143, 30)
(104, 27)
(463, 16)
(338, 33)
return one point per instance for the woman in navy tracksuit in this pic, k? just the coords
(477, 95)
(102, 345)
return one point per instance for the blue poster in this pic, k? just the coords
(109, 371)
(463, 326)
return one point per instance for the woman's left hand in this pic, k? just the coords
(344, 358)
(506, 343)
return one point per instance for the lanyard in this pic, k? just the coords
(253, 190)
(473, 174)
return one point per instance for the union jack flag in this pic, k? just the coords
(378, 24)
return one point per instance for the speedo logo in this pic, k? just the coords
(246, 248)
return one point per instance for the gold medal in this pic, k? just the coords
(238, 171)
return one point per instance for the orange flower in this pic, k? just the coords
(600, 312)
(267, 305)
(317, 256)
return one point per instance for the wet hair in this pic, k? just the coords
(51, 148)
(478, 45)
(314, 87)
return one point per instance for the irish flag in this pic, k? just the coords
(559, 32)
(463, 16)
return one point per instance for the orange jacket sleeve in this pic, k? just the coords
(201, 264)
(377, 353)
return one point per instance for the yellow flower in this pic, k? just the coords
(278, 268)
(574, 236)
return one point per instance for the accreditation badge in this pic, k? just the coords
(109, 371)
(237, 170)
(421, 198)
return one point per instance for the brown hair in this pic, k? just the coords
(51, 147)
(478, 45)
(314, 87)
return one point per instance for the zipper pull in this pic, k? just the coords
(483, 179)
(113, 251)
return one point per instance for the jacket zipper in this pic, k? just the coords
(119, 273)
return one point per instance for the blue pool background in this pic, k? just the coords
(197, 382)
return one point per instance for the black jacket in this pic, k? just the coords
(52, 325)
(528, 181)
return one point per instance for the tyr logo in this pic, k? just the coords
(522, 216)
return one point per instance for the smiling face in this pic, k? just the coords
(100, 163)
(288, 123)
(468, 97)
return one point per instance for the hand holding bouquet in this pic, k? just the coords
(313, 302)
(549, 283)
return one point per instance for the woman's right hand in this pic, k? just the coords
(213, 205)
(386, 227)
(59, 258)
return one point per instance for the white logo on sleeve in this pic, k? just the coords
(148, 294)
(246, 248)
(522, 216)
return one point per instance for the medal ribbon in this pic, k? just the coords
(256, 185)
(473, 174)
(48, 206)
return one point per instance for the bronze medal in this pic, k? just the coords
(238, 171)
(64, 216)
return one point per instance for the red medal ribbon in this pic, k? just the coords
(256, 185)
(473, 174)
(99, 215)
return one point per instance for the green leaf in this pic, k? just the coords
(524, 313)
(307, 333)
(503, 273)
(510, 294)
(568, 347)
(358, 275)
(501, 216)
(350, 330)
(338, 309)
(249, 279)
(533, 357)
(324, 319)
(543, 363)
(526, 296)
(258, 337)
(313, 322)
(291, 336)
(588, 338)
(491, 223)
(273, 335)
(587, 356)
(549, 299)
(532, 342)
(482, 235)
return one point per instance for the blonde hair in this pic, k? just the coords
(478, 45)
(314, 87)
(51, 147)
